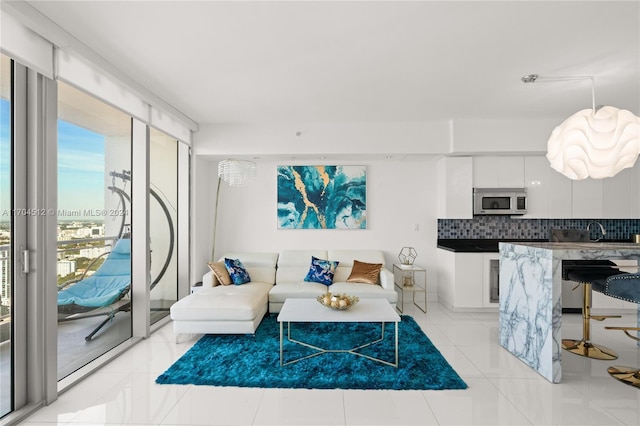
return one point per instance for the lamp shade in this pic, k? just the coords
(596, 144)
(236, 172)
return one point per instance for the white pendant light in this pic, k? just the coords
(593, 143)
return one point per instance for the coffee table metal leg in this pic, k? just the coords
(281, 326)
(352, 351)
(397, 344)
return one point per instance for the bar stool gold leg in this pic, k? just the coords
(626, 375)
(585, 347)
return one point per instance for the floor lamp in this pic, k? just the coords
(235, 173)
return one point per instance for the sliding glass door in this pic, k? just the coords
(14, 258)
(94, 228)
(70, 165)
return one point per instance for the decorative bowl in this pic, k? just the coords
(338, 302)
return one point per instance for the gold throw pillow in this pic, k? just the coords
(220, 271)
(363, 272)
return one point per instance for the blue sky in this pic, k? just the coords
(81, 174)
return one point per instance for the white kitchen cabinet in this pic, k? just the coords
(446, 276)
(548, 192)
(614, 197)
(455, 188)
(463, 280)
(511, 172)
(620, 195)
(560, 199)
(468, 282)
(498, 172)
(536, 180)
(587, 199)
(485, 172)
(552, 195)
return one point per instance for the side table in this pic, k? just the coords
(413, 279)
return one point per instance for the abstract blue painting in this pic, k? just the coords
(322, 197)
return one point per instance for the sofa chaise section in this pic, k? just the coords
(228, 309)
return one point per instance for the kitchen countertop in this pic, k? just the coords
(477, 245)
(602, 245)
(481, 245)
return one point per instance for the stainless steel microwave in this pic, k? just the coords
(499, 201)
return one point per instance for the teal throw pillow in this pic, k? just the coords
(321, 271)
(237, 271)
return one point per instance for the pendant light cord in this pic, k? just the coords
(593, 94)
(534, 78)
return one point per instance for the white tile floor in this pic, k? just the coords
(502, 390)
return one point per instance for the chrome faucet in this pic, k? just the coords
(601, 229)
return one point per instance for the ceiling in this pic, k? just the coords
(383, 61)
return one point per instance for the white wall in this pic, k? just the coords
(203, 189)
(501, 136)
(401, 191)
(400, 194)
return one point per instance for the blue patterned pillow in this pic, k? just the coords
(237, 271)
(321, 271)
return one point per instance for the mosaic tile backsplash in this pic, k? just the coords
(496, 227)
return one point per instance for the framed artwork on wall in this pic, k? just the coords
(322, 197)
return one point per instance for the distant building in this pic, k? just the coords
(66, 267)
(66, 234)
(91, 252)
(97, 231)
(83, 233)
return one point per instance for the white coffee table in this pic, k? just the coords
(309, 310)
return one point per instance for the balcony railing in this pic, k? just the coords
(63, 246)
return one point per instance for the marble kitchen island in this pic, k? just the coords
(530, 305)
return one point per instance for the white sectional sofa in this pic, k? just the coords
(239, 309)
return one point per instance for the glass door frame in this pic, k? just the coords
(33, 250)
(42, 182)
(18, 235)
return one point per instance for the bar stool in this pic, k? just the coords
(586, 273)
(625, 287)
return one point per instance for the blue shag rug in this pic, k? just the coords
(254, 361)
